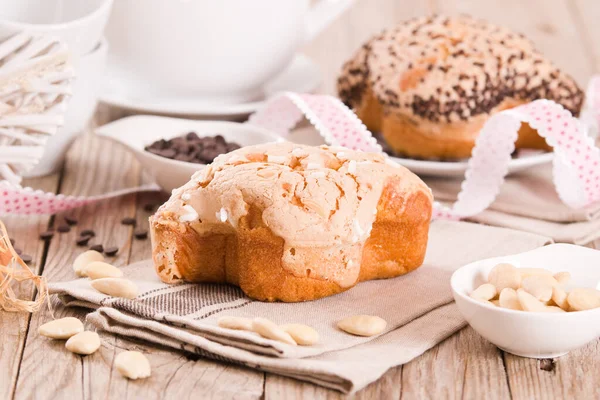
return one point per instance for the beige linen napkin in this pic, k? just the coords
(528, 201)
(418, 308)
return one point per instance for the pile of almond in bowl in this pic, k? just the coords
(534, 290)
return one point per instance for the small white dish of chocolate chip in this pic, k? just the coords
(540, 304)
(172, 149)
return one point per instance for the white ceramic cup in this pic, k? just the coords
(89, 71)
(78, 23)
(223, 51)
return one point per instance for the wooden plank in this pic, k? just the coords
(25, 231)
(550, 27)
(586, 14)
(463, 366)
(47, 370)
(574, 376)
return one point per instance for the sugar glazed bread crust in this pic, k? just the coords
(429, 84)
(286, 222)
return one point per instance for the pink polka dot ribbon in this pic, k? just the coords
(15, 199)
(575, 164)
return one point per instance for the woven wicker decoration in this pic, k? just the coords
(35, 84)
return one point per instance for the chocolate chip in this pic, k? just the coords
(140, 234)
(149, 207)
(192, 136)
(129, 221)
(232, 147)
(71, 220)
(547, 364)
(18, 251)
(82, 240)
(47, 235)
(98, 248)
(26, 258)
(12, 242)
(111, 251)
(63, 228)
(87, 232)
(192, 148)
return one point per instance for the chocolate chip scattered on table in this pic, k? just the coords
(97, 247)
(140, 234)
(192, 148)
(129, 221)
(71, 220)
(47, 235)
(63, 228)
(111, 251)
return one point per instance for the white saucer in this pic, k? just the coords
(457, 169)
(302, 75)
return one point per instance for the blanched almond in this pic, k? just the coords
(116, 287)
(539, 287)
(304, 335)
(509, 299)
(530, 303)
(62, 328)
(562, 277)
(99, 269)
(363, 325)
(554, 309)
(85, 258)
(270, 330)
(559, 297)
(238, 323)
(505, 276)
(83, 343)
(582, 299)
(132, 365)
(527, 272)
(487, 291)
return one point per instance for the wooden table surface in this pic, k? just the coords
(463, 366)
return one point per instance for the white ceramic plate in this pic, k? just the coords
(138, 131)
(458, 168)
(302, 76)
(533, 334)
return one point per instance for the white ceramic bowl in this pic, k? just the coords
(89, 70)
(78, 23)
(529, 334)
(138, 131)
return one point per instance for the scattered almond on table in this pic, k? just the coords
(100, 269)
(85, 258)
(304, 335)
(84, 343)
(534, 290)
(62, 328)
(363, 325)
(116, 287)
(237, 323)
(133, 365)
(270, 330)
(292, 334)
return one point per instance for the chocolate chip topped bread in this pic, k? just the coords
(429, 84)
(286, 222)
